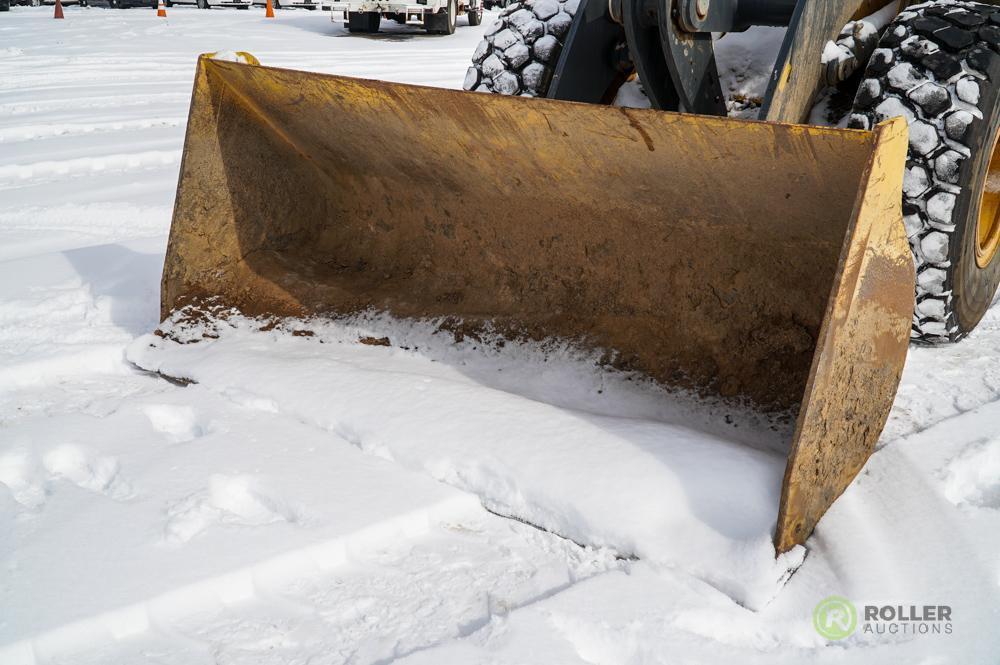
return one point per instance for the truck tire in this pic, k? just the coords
(475, 13)
(938, 67)
(520, 50)
(443, 23)
(363, 21)
(203, 4)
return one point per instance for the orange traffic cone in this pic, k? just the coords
(59, 11)
(161, 10)
(270, 10)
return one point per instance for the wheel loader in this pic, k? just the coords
(767, 263)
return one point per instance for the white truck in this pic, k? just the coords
(208, 4)
(438, 16)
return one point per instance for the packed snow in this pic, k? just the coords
(371, 491)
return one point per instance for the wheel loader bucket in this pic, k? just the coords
(761, 262)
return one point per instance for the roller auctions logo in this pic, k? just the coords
(835, 618)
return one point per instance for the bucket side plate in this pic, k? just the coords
(861, 352)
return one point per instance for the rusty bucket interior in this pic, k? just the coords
(756, 261)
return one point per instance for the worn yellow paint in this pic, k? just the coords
(988, 224)
(790, 97)
(869, 7)
(786, 75)
(245, 57)
(861, 347)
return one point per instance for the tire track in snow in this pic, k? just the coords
(40, 83)
(385, 601)
(946, 382)
(60, 130)
(157, 99)
(14, 174)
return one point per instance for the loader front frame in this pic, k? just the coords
(669, 45)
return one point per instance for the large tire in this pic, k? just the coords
(203, 4)
(443, 23)
(520, 50)
(475, 12)
(937, 66)
(363, 21)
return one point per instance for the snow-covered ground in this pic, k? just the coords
(313, 499)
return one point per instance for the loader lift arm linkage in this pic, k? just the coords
(670, 46)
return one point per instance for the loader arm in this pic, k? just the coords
(670, 46)
(798, 72)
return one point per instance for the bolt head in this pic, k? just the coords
(701, 7)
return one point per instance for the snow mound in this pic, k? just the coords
(974, 476)
(179, 424)
(31, 479)
(236, 499)
(528, 441)
(88, 471)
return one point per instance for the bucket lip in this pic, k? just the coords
(862, 134)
